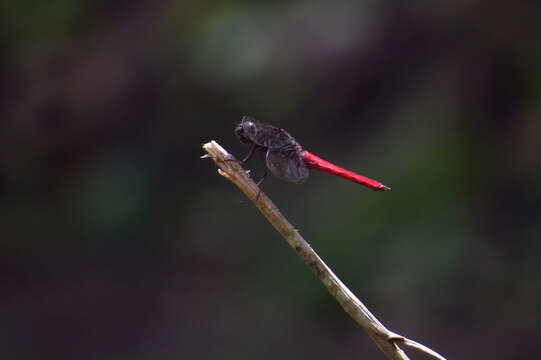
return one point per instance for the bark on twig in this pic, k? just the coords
(386, 340)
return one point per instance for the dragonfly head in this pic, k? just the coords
(246, 129)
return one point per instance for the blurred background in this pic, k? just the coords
(118, 242)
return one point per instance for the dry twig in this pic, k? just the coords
(386, 340)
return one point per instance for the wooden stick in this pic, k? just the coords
(386, 340)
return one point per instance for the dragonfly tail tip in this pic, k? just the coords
(384, 188)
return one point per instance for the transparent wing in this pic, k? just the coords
(287, 166)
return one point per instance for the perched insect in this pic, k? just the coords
(286, 158)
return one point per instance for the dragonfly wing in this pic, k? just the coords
(289, 167)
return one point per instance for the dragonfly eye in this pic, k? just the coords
(247, 129)
(243, 131)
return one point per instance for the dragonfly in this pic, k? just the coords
(285, 157)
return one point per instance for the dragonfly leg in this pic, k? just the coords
(249, 155)
(259, 184)
(262, 178)
(246, 158)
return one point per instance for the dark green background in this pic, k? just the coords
(118, 242)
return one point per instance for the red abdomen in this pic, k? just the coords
(317, 163)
